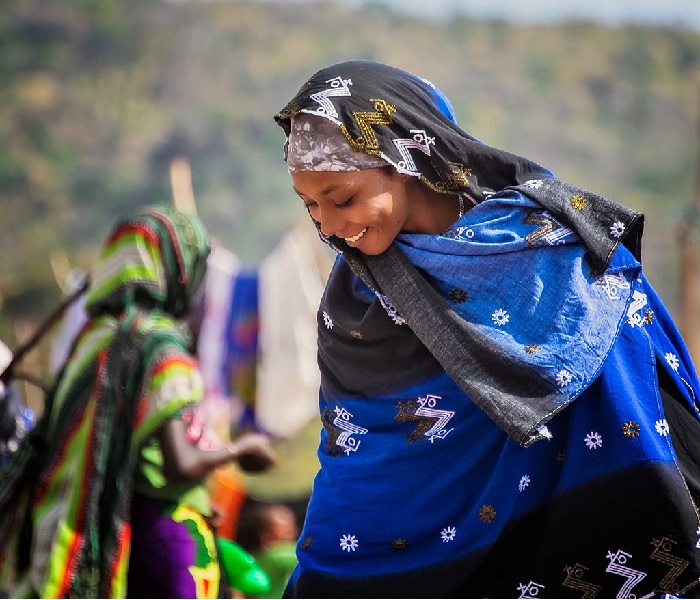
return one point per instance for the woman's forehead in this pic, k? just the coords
(326, 183)
(322, 183)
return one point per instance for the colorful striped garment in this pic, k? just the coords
(130, 369)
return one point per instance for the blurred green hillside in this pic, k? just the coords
(97, 98)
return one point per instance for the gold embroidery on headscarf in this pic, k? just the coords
(574, 580)
(457, 178)
(293, 107)
(288, 111)
(532, 348)
(578, 202)
(459, 174)
(365, 120)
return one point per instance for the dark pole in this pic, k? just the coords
(45, 325)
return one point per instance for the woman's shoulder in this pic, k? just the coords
(161, 323)
(159, 333)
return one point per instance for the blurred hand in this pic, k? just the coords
(216, 519)
(253, 452)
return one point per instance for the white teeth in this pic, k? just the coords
(356, 237)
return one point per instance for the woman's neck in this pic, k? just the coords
(432, 212)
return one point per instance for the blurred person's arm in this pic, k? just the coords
(184, 462)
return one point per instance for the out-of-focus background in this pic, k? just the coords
(105, 106)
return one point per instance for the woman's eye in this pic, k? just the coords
(312, 209)
(348, 202)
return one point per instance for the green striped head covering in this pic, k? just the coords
(154, 259)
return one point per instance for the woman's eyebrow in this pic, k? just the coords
(324, 192)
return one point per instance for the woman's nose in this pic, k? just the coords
(331, 221)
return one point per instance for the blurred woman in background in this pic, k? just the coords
(106, 497)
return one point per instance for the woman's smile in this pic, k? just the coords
(356, 237)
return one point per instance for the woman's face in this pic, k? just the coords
(366, 208)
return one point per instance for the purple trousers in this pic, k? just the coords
(173, 553)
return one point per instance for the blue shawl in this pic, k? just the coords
(422, 494)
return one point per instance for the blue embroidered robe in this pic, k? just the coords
(420, 494)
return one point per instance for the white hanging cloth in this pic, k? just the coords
(291, 282)
(218, 408)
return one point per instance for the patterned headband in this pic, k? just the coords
(317, 144)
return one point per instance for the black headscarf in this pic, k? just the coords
(403, 118)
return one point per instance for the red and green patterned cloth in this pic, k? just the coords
(65, 500)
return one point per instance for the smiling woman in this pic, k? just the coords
(508, 409)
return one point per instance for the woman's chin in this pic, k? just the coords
(372, 249)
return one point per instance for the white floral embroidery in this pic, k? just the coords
(500, 317)
(672, 361)
(533, 184)
(617, 229)
(448, 534)
(662, 428)
(563, 378)
(698, 533)
(524, 482)
(327, 320)
(348, 543)
(593, 440)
